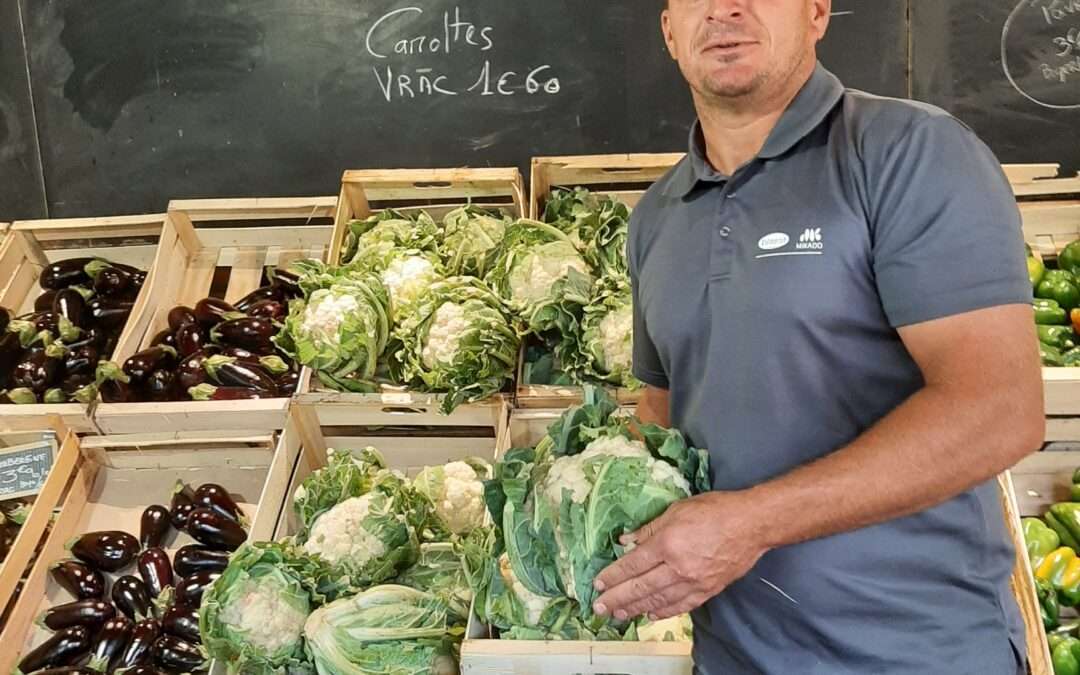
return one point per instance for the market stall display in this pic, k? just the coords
(205, 357)
(589, 199)
(73, 289)
(1033, 182)
(121, 574)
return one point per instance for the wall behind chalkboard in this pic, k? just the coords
(141, 101)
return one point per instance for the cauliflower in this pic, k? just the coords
(617, 339)
(340, 533)
(261, 614)
(566, 472)
(444, 335)
(324, 314)
(674, 629)
(406, 277)
(456, 492)
(534, 604)
(539, 268)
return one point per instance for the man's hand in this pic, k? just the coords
(683, 558)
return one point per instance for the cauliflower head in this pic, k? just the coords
(455, 492)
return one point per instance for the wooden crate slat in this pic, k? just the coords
(300, 237)
(634, 171)
(1029, 173)
(245, 273)
(256, 208)
(144, 225)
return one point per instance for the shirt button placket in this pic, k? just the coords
(723, 248)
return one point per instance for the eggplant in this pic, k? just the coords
(189, 590)
(155, 570)
(208, 392)
(215, 530)
(92, 613)
(80, 580)
(113, 281)
(110, 643)
(181, 505)
(229, 372)
(64, 273)
(44, 302)
(159, 386)
(110, 312)
(190, 339)
(69, 304)
(174, 655)
(216, 498)
(64, 648)
(144, 668)
(209, 312)
(67, 670)
(11, 352)
(180, 316)
(139, 649)
(153, 526)
(269, 309)
(287, 383)
(81, 360)
(273, 364)
(183, 622)
(107, 551)
(46, 320)
(288, 282)
(115, 391)
(257, 296)
(190, 372)
(252, 333)
(139, 365)
(164, 337)
(192, 559)
(37, 371)
(132, 597)
(73, 384)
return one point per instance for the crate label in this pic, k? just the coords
(397, 399)
(24, 468)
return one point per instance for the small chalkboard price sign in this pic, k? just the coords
(24, 468)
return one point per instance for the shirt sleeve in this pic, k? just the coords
(647, 366)
(946, 230)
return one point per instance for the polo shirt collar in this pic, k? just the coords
(807, 110)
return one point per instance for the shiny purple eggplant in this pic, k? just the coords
(107, 551)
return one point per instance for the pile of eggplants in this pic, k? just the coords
(214, 351)
(146, 621)
(13, 513)
(52, 354)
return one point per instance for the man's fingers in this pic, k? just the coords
(635, 563)
(640, 593)
(643, 533)
(683, 606)
(669, 595)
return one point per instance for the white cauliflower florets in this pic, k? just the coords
(461, 504)
(534, 604)
(263, 616)
(444, 335)
(540, 267)
(339, 533)
(674, 629)
(617, 339)
(324, 314)
(406, 278)
(566, 472)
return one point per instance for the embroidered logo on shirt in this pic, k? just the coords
(771, 242)
(810, 242)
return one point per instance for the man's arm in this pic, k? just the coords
(980, 412)
(654, 406)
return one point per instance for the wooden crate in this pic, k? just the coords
(238, 238)
(482, 655)
(437, 191)
(16, 563)
(117, 477)
(30, 245)
(622, 177)
(1032, 182)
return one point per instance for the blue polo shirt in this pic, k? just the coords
(767, 302)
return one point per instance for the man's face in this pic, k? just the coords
(736, 48)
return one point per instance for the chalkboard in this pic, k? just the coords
(24, 468)
(1010, 70)
(22, 194)
(140, 101)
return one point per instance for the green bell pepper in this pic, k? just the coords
(1066, 657)
(1071, 358)
(1051, 356)
(1061, 337)
(1069, 258)
(1039, 539)
(1035, 267)
(1054, 639)
(1049, 313)
(1059, 288)
(1049, 606)
(1057, 526)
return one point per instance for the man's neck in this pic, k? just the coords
(736, 130)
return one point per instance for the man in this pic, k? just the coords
(830, 295)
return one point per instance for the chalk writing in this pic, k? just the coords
(396, 35)
(23, 468)
(1040, 52)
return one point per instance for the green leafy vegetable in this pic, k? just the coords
(471, 236)
(598, 224)
(378, 234)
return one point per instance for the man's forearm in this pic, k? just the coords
(933, 447)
